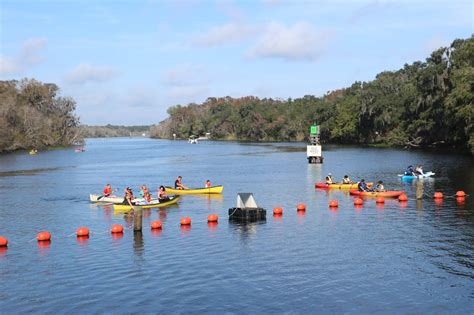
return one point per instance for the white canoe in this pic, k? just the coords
(110, 199)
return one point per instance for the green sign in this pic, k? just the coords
(314, 130)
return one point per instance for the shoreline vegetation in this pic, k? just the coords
(423, 105)
(34, 116)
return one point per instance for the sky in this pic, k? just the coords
(126, 62)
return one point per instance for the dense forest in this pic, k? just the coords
(32, 115)
(425, 104)
(114, 131)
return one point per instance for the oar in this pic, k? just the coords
(102, 196)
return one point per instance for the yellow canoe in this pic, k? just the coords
(153, 204)
(210, 190)
(339, 186)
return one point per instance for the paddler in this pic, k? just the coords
(178, 183)
(329, 180)
(107, 190)
(162, 196)
(362, 186)
(208, 184)
(346, 180)
(127, 199)
(379, 187)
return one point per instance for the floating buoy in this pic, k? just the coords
(301, 207)
(82, 231)
(3, 241)
(116, 228)
(380, 200)
(43, 236)
(185, 221)
(212, 218)
(402, 197)
(460, 193)
(156, 225)
(438, 195)
(333, 204)
(277, 210)
(358, 202)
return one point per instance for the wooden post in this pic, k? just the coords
(419, 189)
(137, 219)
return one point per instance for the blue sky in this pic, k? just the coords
(126, 62)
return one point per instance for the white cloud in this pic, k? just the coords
(28, 56)
(186, 83)
(184, 74)
(85, 72)
(300, 41)
(224, 34)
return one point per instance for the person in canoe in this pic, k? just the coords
(127, 199)
(362, 186)
(329, 179)
(178, 183)
(410, 171)
(379, 187)
(346, 180)
(107, 190)
(419, 170)
(145, 193)
(208, 184)
(162, 196)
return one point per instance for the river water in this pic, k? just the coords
(414, 257)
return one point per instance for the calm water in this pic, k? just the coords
(400, 258)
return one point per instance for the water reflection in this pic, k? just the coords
(138, 243)
(245, 230)
(185, 229)
(82, 240)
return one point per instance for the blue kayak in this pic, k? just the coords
(427, 174)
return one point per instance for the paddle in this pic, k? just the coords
(102, 196)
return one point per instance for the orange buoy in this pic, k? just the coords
(438, 195)
(277, 210)
(333, 204)
(43, 236)
(380, 200)
(212, 218)
(301, 207)
(82, 231)
(460, 193)
(403, 198)
(116, 228)
(3, 241)
(156, 225)
(185, 221)
(358, 202)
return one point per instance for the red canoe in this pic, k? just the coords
(387, 194)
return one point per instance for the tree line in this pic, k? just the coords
(114, 131)
(34, 116)
(424, 104)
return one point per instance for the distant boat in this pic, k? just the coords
(33, 152)
(193, 140)
(79, 150)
